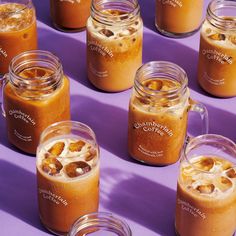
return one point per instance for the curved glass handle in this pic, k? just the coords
(202, 110)
(3, 81)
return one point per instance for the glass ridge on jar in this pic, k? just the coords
(70, 15)
(178, 18)
(114, 44)
(217, 52)
(100, 223)
(18, 30)
(158, 113)
(32, 91)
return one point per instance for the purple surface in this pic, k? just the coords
(143, 195)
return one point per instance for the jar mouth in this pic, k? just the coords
(161, 70)
(66, 127)
(37, 86)
(222, 147)
(222, 14)
(127, 11)
(96, 221)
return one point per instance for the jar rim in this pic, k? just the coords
(161, 69)
(131, 12)
(223, 22)
(100, 221)
(35, 58)
(208, 139)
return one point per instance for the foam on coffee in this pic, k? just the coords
(116, 35)
(67, 159)
(209, 176)
(14, 17)
(214, 36)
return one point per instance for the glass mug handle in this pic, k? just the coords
(3, 81)
(202, 110)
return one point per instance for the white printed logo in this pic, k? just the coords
(222, 58)
(71, 1)
(18, 114)
(48, 195)
(191, 209)
(173, 3)
(97, 47)
(162, 130)
(3, 52)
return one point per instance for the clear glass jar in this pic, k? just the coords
(158, 113)
(18, 30)
(32, 91)
(206, 192)
(114, 44)
(67, 175)
(178, 18)
(70, 15)
(217, 53)
(100, 223)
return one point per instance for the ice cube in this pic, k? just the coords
(208, 31)
(231, 173)
(205, 164)
(154, 84)
(77, 168)
(90, 154)
(218, 37)
(51, 166)
(77, 146)
(206, 189)
(56, 149)
(224, 184)
(232, 38)
(106, 32)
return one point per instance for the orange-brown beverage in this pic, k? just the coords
(33, 91)
(17, 30)
(114, 44)
(206, 192)
(178, 18)
(70, 15)
(67, 175)
(217, 53)
(158, 113)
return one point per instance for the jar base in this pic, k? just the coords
(176, 35)
(68, 30)
(151, 163)
(55, 232)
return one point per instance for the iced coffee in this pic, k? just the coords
(17, 30)
(114, 47)
(70, 15)
(158, 113)
(164, 124)
(67, 176)
(34, 88)
(206, 197)
(217, 59)
(178, 18)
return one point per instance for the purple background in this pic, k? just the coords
(143, 195)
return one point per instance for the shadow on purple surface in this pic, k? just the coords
(165, 49)
(43, 11)
(147, 8)
(134, 197)
(71, 52)
(108, 122)
(18, 193)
